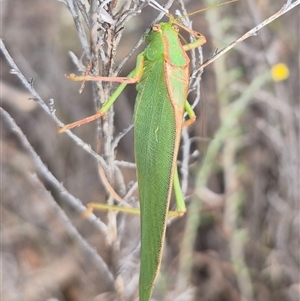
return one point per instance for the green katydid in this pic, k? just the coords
(162, 74)
(162, 78)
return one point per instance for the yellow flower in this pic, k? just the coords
(280, 72)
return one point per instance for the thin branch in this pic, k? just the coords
(157, 6)
(120, 181)
(184, 170)
(125, 164)
(84, 11)
(121, 135)
(79, 27)
(253, 32)
(66, 197)
(131, 190)
(51, 113)
(44, 172)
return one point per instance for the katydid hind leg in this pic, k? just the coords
(135, 75)
(105, 207)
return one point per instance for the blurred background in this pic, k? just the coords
(241, 234)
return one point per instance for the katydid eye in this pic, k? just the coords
(175, 27)
(155, 27)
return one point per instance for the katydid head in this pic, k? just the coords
(171, 28)
(162, 29)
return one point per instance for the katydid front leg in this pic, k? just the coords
(133, 77)
(200, 40)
